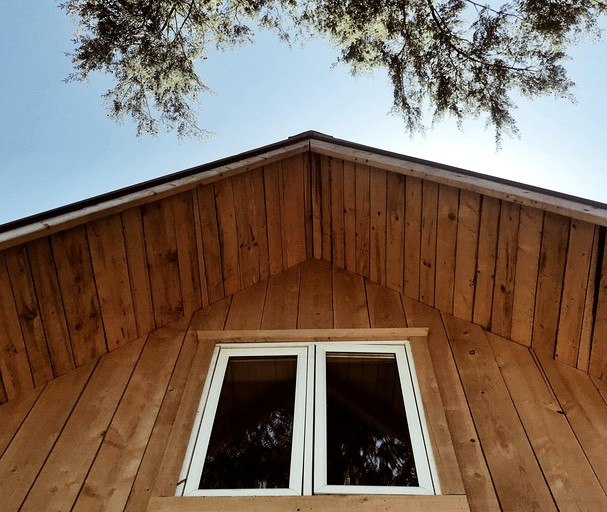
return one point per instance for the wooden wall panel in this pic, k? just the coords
(337, 212)
(395, 231)
(273, 218)
(377, 240)
(427, 269)
(350, 216)
(210, 242)
(79, 294)
(293, 210)
(362, 219)
(413, 229)
(446, 245)
(598, 354)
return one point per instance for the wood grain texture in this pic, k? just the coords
(350, 216)
(427, 269)
(363, 219)
(315, 296)
(385, 306)
(13, 413)
(293, 210)
(377, 235)
(413, 230)
(326, 219)
(395, 231)
(598, 356)
(337, 213)
(446, 247)
(273, 217)
(210, 242)
(282, 300)
(349, 300)
(228, 237)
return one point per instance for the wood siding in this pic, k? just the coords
(112, 434)
(530, 275)
(67, 298)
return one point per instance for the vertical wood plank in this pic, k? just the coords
(583, 359)
(282, 300)
(349, 300)
(272, 193)
(350, 215)
(575, 284)
(446, 245)
(395, 231)
(427, 267)
(413, 231)
(385, 306)
(246, 309)
(337, 212)
(187, 251)
(202, 270)
(162, 260)
(377, 256)
(26, 304)
(485, 267)
(315, 296)
(326, 176)
(527, 264)
(228, 239)
(293, 210)
(362, 219)
(598, 354)
(307, 157)
(141, 292)
(550, 282)
(75, 275)
(468, 223)
(318, 162)
(251, 227)
(14, 364)
(505, 268)
(210, 242)
(108, 256)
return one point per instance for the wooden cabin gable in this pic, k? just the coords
(521, 264)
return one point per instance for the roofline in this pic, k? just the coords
(299, 140)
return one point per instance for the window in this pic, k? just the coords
(310, 418)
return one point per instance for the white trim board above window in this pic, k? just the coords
(279, 419)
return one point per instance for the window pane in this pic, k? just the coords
(368, 441)
(250, 445)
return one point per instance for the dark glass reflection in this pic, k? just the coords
(250, 445)
(368, 440)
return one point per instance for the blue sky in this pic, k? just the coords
(57, 145)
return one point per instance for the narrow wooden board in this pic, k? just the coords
(436, 422)
(108, 255)
(446, 246)
(319, 503)
(247, 307)
(63, 473)
(485, 266)
(26, 303)
(13, 413)
(570, 477)
(169, 466)
(576, 282)
(584, 409)
(307, 157)
(273, 216)
(377, 235)
(187, 251)
(80, 302)
(293, 210)
(505, 269)
(583, 358)
(109, 481)
(350, 216)
(315, 296)
(251, 227)
(30, 447)
(318, 163)
(550, 282)
(337, 213)
(468, 450)
(395, 231)
(200, 263)
(228, 238)
(385, 306)
(162, 260)
(141, 292)
(326, 209)
(362, 219)
(516, 475)
(349, 300)
(282, 300)
(427, 269)
(413, 230)
(468, 223)
(527, 264)
(598, 355)
(210, 242)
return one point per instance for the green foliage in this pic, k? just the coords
(460, 57)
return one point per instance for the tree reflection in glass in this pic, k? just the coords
(250, 444)
(368, 441)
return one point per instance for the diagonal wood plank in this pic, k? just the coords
(13, 413)
(349, 300)
(282, 300)
(315, 296)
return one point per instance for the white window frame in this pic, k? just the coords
(308, 457)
